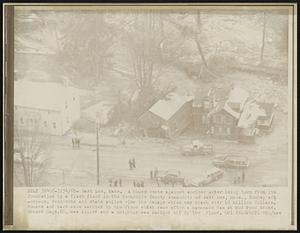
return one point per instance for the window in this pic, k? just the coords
(228, 131)
(45, 123)
(206, 104)
(220, 130)
(21, 120)
(54, 125)
(203, 119)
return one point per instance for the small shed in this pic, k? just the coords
(168, 117)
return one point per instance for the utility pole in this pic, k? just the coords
(97, 138)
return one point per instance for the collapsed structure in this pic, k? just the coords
(227, 112)
(231, 113)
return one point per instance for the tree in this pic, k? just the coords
(31, 147)
(263, 39)
(86, 42)
(143, 43)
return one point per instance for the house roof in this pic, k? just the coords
(40, 95)
(167, 107)
(224, 106)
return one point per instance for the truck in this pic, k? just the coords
(171, 176)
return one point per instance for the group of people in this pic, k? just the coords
(131, 163)
(76, 142)
(153, 174)
(240, 178)
(138, 183)
(115, 183)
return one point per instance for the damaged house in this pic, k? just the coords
(217, 112)
(168, 117)
(229, 113)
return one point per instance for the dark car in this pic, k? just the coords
(170, 177)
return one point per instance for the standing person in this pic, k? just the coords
(238, 179)
(130, 164)
(116, 183)
(73, 142)
(110, 182)
(120, 182)
(142, 183)
(243, 176)
(155, 172)
(151, 174)
(134, 184)
(133, 162)
(78, 142)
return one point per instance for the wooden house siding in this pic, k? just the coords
(224, 125)
(152, 124)
(180, 120)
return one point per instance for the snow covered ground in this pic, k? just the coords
(72, 166)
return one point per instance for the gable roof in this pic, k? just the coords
(39, 95)
(167, 107)
(224, 106)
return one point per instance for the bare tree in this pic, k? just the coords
(144, 48)
(85, 46)
(263, 39)
(31, 146)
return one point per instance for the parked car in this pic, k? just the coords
(208, 177)
(212, 175)
(171, 176)
(197, 148)
(231, 161)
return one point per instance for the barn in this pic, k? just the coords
(168, 117)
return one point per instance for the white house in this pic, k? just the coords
(53, 107)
